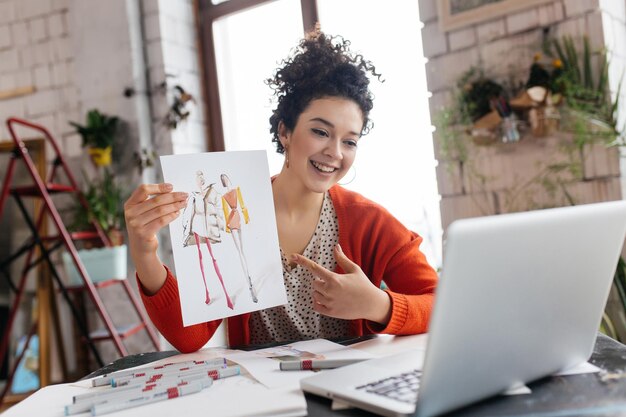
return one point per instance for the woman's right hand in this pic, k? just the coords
(149, 208)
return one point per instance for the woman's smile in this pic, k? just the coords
(323, 168)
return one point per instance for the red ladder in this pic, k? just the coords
(44, 190)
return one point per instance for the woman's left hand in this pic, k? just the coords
(346, 296)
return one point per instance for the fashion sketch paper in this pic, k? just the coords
(225, 241)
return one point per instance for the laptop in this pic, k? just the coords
(521, 297)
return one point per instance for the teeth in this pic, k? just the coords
(322, 168)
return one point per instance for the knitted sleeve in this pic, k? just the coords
(387, 251)
(165, 313)
(411, 283)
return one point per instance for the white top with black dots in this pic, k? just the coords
(297, 320)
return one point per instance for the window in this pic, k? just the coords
(395, 164)
(248, 48)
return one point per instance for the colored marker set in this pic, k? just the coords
(133, 388)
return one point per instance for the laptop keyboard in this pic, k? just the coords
(402, 387)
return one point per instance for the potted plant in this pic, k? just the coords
(98, 136)
(104, 197)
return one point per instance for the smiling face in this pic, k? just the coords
(322, 146)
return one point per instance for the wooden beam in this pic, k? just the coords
(215, 11)
(309, 15)
(17, 92)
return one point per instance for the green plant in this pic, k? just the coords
(103, 193)
(105, 199)
(99, 130)
(589, 110)
(476, 91)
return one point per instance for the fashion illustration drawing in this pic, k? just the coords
(232, 202)
(203, 223)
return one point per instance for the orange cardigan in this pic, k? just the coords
(372, 238)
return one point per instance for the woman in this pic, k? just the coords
(336, 246)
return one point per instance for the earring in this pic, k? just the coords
(287, 157)
(353, 169)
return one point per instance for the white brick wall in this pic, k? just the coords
(489, 182)
(435, 42)
(76, 54)
(614, 24)
(577, 7)
(173, 50)
(491, 30)
(521, 21)
(462, 38)
(34, 52)
(5, 36)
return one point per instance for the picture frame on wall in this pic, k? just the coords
(455, 14)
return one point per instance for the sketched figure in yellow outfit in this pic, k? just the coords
(203, 223)
(231, 197)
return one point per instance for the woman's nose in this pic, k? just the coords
(334, 149)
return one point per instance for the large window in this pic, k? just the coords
(248, 47)
(245, 40)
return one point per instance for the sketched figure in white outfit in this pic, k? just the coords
(232, 202)
(203, 222)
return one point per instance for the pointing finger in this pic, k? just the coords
(316, 269)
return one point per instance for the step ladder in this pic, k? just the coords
(45, 190)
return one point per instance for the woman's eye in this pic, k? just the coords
(351, 143)
(320, 132)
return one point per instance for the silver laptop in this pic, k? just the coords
(521, 297)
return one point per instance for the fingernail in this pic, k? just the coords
(339, 248)
(168, 187)
(293, 257)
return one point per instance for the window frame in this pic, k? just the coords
(206, 13)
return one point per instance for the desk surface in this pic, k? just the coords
(575, 395)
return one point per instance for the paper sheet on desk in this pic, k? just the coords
(238, 396)
(223, 398)
(263, 364)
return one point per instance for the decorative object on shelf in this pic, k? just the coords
(508, 125)
(144, 159)
(178, 111)
(563, 90)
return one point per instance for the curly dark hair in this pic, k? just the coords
(321, 66)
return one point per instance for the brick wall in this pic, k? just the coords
(35, 50)
(613, 15)
(76, 54)
(504, 47)
(502, 178)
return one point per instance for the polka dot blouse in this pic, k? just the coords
(297, 320)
